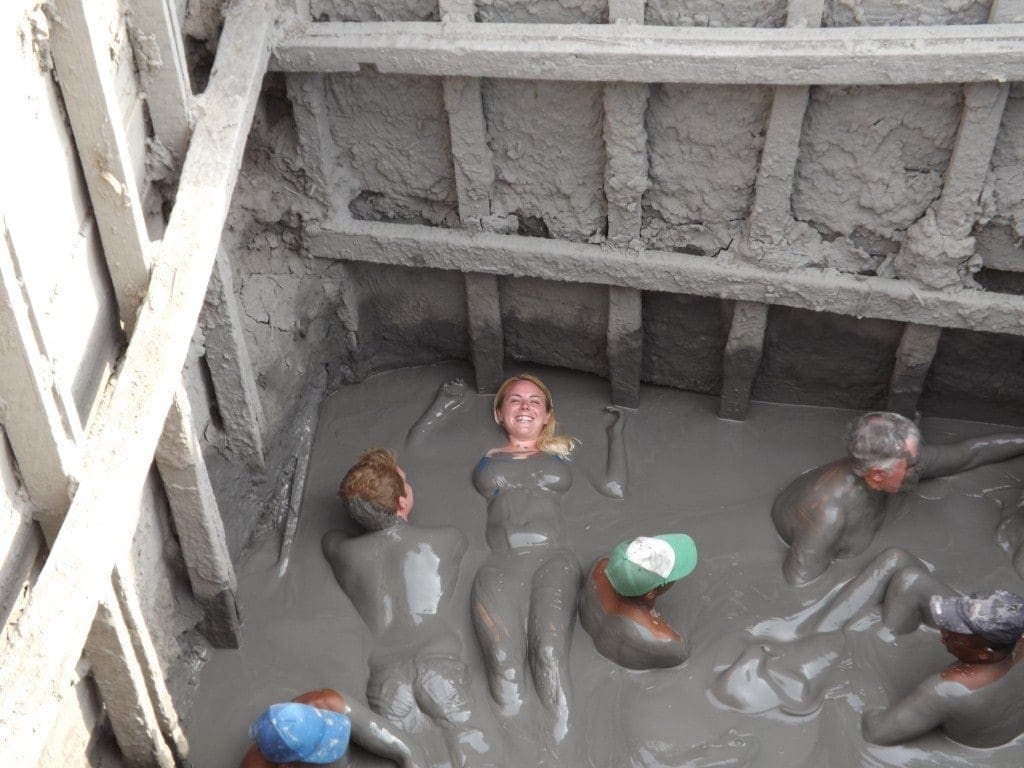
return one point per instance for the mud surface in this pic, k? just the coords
(689, 471)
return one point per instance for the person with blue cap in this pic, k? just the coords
(315, 729)
(975, 701)
(617, 602)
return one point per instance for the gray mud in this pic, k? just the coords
(689, 471)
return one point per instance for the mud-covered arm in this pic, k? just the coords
(813, 545)
(377, 736)
(923, 710)
(450, 396)
(944, 460)
(616, 470)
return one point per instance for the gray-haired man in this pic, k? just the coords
(833, 511)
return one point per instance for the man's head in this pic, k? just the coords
(299, 733)
(377, 480)
(884, 449)
(982, 628)
(642, 565)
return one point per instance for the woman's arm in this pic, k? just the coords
(616, 472)
(450, 396)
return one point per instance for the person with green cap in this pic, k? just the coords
(617, 602)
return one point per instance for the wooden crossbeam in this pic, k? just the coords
(648, 54)
(44, 647)
(414, 245)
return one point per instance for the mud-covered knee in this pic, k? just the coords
(893, 558)
(905, 580)
(442, 691)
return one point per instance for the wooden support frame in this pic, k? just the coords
(414, 245)
(47, 447)
(127, 252)
(121, 451)
(647, 54)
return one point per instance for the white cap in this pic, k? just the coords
(654, 555)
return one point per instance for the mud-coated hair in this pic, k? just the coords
(879, 439)
(549, 440)
(369, 516)
(375, 478)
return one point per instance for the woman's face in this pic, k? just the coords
(524, 412)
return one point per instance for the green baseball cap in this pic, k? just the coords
(636, 566)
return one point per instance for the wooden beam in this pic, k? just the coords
(741, 357)
(198, 523)
(104, 513)
(123, 689)
(771, 212)
(231, 372)
(486, 336)
(160, 57)
(625, 344)
(625, 181)
(124, 600)
(655, 54)
(474, 170)
(329, 182)
(28, 408)
(414, 245)
(81, 59)
(913, 360)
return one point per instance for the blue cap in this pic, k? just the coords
(290, 733)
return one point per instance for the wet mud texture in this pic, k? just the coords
(689, 471)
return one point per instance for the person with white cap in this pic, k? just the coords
(975, 701)
(315, 729)
(617, 601)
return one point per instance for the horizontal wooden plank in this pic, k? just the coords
(420, 246)
(656, 54)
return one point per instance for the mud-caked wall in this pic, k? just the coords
(871, 162)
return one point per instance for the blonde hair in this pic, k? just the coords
(375, 478)
(548, 441)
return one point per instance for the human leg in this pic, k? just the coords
(498, 625)
(553, 593)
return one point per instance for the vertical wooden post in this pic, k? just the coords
(741, 357)
(913, 360)
(625, 181)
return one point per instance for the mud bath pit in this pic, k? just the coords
(689, 471)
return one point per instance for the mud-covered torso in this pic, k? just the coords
(524, 498)
(829, 496)
(401, 581)
(986, 713)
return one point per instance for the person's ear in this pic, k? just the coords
(876, 476)
(402, 510)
